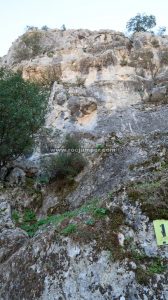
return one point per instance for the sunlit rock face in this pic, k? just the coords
(117, 72)
(111, 92)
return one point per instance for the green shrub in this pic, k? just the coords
(29, 46)
(141, 22)
(157, 267)
(69, 229)
(68, 163)
(71, 143)
(27, 222)
(45, 28)
(80, 81)
(161, 31)
(29, 216)
(50, 54)
(155, 43)
(31, 28)
(100, 212)
(123, 62)
(142, 276)
(99, 147)
(15, 216)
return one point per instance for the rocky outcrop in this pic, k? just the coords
(93, 239)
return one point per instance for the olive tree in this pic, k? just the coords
(23, 105)
(141, 22)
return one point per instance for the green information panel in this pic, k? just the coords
(161, 231)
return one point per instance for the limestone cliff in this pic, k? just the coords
(94, 239)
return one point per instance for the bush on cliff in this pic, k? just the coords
(141, 23)
(68, 163)
(22, 111)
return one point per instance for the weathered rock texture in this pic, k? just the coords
(110, 91)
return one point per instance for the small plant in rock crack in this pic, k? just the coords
(157, 267)
(29, 223)
(69, 229)
(15, 216)
(110, 195)
(67, 164)
(99, 147)
(100, 212)
(90, 222)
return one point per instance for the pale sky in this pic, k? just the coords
(75, 14)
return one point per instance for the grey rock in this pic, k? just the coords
(3, 173)
(17, 176)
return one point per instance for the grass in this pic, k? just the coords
(30, 224)
(146, 266)
(15, 216)
(69, 229)
(84, 224)
(90, 222)
(100, 212)
(152, 196)
(67, 164)
(157, 267)
(144, 274)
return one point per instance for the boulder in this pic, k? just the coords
(17, 176)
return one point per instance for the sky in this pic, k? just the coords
(15, 15)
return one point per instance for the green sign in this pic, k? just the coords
(161, 231)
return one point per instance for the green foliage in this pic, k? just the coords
(29, 45)
(67, 164)
(100, 212)
(69, 229)
(142, 276)
(45, 28)
(110, 194)
(80, 81)
(123, 62)
(32, 41)
(152, 196)
(141, 22)
(15, 216)
(155, 43)
(99, 147)
(161, 31)
(63, 27)
(157, 267)
(22, 109)
(30, 224)
(50, 54)
(31, 28)
(29, 216)
(71, 143)
(43, 179)
(90, 222)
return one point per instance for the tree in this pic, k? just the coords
(63, 28)
(161, 31)
(23, 106)
(45, 28)
(141, 22)
(31, 28)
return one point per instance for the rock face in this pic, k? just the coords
(112, 93)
